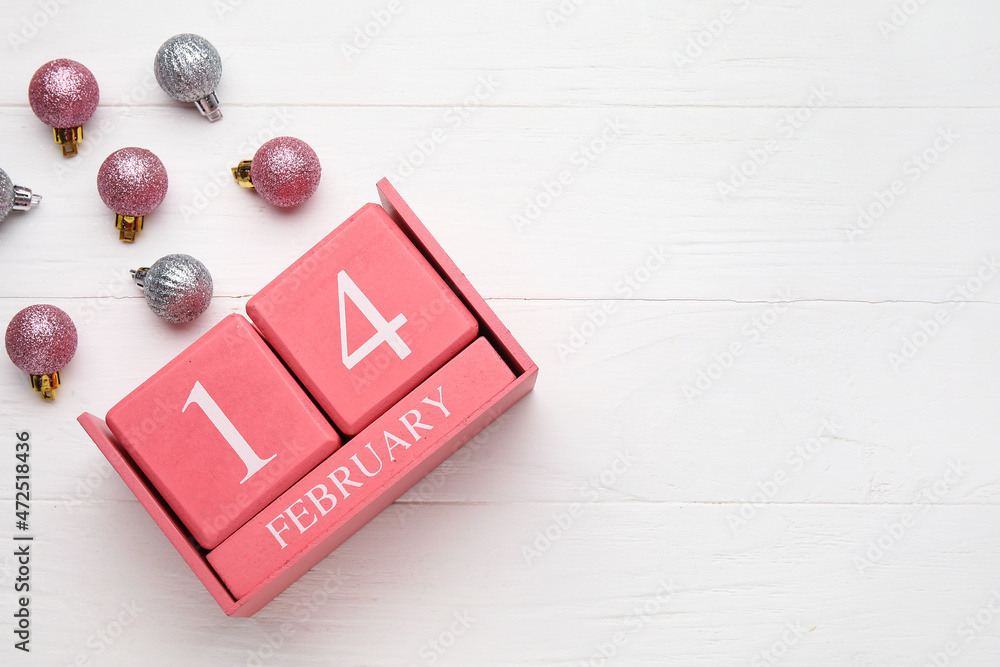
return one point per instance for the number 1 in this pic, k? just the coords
(221, 422)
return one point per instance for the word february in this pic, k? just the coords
(323, 501)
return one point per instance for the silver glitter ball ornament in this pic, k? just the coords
(188, 68)
(178, 288)
(15, 197)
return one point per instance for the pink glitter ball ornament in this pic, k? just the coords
(64, 94)
(40, 340)
(132, 182)
(285, 171)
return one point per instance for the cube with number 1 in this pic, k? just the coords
(222, 430)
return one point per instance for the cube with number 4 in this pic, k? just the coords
(362, 318)
(222, 430)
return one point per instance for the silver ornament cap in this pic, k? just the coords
(15, 197)
(188, 68)
(178, 288)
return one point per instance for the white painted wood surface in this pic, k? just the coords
(719, 503)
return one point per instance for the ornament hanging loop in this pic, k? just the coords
(24, 199)
(68, 138)
(128, 226)
(241, 174)
(46, 385)
(209, 107)
(139, 275)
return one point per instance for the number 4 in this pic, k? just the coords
(384, 331)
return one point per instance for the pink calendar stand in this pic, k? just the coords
(373, 498)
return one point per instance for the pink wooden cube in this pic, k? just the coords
(362, 318)
(222, 430)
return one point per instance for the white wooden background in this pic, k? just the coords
(813, 501)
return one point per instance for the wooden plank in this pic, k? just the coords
(623, 53)
(794, 227)
(896, 424)
(713, 599)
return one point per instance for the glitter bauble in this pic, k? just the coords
(63, 93)
(41, 339)
(132, 181)
(178, 288)
(285, 171)
(188, 68)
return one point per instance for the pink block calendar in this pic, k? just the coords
(269, 442)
